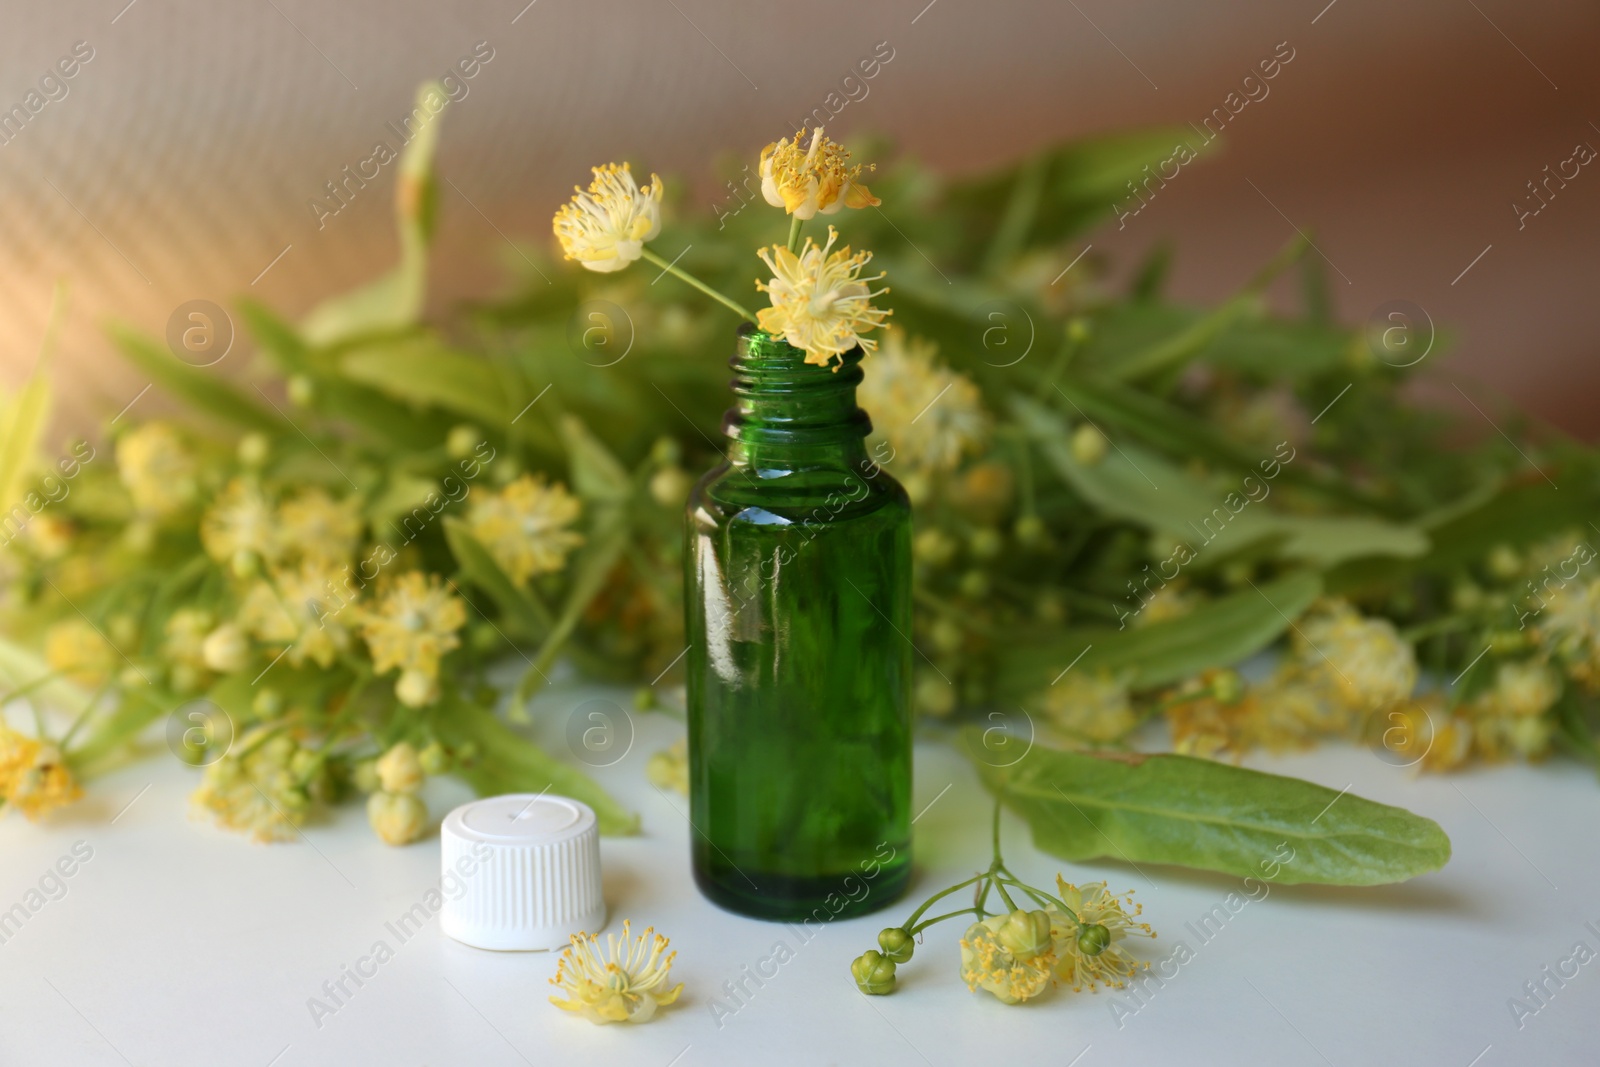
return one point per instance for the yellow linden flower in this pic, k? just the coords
(1086, 958)
(605, 228)
(412, 626)
(811, 180)
(399, 770)
(238, 523)
(80, 652)
(1524, 689)
(259, 792)
(397, 818)
(1090, 705)
(1423, 733)
(625, 984)
(986, 963)
(315, 526)
(669, 768)
(524, 526)
(1567, 627)
(930, 415)
(304, 606)
(34, 778)
(1364, 661)
(156, 469)
(820, 302)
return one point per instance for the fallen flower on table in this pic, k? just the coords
(624, 984)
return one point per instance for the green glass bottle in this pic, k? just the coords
(797, 572)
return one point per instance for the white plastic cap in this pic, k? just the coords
(530, 864)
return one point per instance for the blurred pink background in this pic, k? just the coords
(178, 162)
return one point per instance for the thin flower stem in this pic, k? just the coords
(795, 223)
(996, 880)
(999, 864)
(926, 904)
(684, 276)
(917, 929)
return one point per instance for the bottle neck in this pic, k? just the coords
(788, 413)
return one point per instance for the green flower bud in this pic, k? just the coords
(1227, 686)
(461, 440)
(364, 776)
(947, 635)
(933, 547)
(1025, 934)
(666, 451)
(1088, 445)
(986, 543)
(434, 759)
(246, 564)
(1504, 563)
(934, 695)
(253, 450)
(874, 974)
(268, 703)
(670, 486)
(1093, 939)
(1031, 531)
(302, 391)
(897, 945)
(644, 698)
(1078, 330)
(974, 585)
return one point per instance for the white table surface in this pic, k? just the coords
(178, 943)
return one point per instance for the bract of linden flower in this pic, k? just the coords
(626, 983)
(820, 302)
(808, 178)
(605, 227)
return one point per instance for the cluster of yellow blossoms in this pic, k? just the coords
(1075, 939)
(1354, 677)
(820, 301)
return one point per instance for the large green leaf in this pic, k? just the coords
(507, 762)
(1215, 634)
(1213, 816)
(1134, 483)
(423, 371)
(203, 389)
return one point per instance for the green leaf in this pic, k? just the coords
(1212, 816)
(597, 475)
(1217, 633)
(396, 423)
(522, 608)
(23, 418)
(1133, 483)
(423, 371)
(202, 389)
(507, 762)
